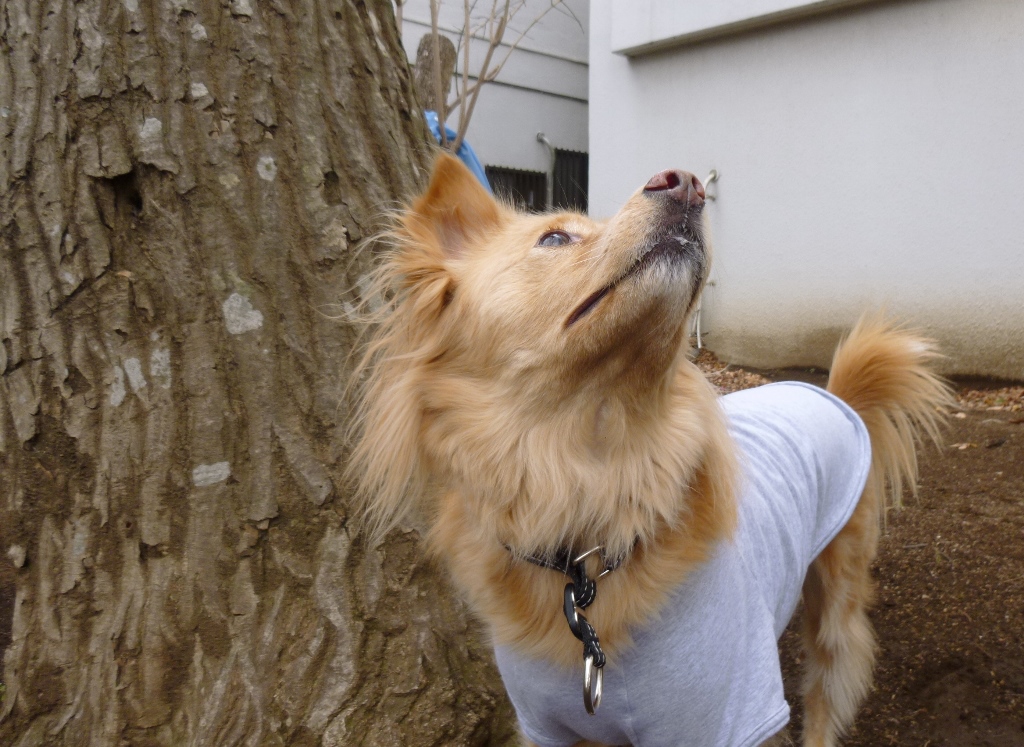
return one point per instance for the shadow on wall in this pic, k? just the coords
(806, 348)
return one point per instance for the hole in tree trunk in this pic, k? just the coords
(119, 197)
(332, 188)
(126, 192)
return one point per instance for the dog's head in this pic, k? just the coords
(526, 362)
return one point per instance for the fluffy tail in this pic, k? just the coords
(884, 373)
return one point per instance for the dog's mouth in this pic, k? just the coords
(679, 244)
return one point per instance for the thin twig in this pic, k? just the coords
(435, 41)
(496, 36)
(487, 76)
(467, 35)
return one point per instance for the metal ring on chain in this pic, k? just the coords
(593, 685)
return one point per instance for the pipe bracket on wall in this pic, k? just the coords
(712, 177)
(550, 196)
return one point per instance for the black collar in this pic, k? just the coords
(565, 560)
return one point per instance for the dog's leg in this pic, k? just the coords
(837, 636)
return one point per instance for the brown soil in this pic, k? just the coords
(950, 572)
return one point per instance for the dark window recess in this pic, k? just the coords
(527, 190)
(571, 170)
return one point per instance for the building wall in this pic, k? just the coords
(871, 156)
(543, 87)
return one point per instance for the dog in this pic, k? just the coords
(526, 391)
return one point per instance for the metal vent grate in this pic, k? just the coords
(527, 190)
(571, 170)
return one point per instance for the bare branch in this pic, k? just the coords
(495, 41)
(492, 29)
(568, 11)
(467, 34)
(438, 93)
(487, 76)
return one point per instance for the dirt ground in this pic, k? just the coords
(950, 572)
(950, 612)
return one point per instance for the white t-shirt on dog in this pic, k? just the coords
(706, 672)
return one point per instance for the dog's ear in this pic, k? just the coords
(454, 210)
(438, 229)
(418, 277)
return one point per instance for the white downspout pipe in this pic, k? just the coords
(550, 195)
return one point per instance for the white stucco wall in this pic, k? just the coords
(870, 156)
(542, 88)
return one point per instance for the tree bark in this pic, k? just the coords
(432, 75)
(182, 185)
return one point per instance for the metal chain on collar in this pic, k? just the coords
(579, 594)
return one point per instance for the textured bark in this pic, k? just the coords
(182, 183)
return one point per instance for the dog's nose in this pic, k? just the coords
(681, 186)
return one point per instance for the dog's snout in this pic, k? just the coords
(681, 186)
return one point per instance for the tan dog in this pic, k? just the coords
(527, 391)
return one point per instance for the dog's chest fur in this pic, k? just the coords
(707, 666)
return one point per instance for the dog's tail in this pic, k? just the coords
(885, 374)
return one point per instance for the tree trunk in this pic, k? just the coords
(182, 184)
(426, 84)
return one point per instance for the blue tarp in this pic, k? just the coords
(465, 154)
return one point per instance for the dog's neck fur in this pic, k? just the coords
(677, 509)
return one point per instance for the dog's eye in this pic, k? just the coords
(555, 238)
